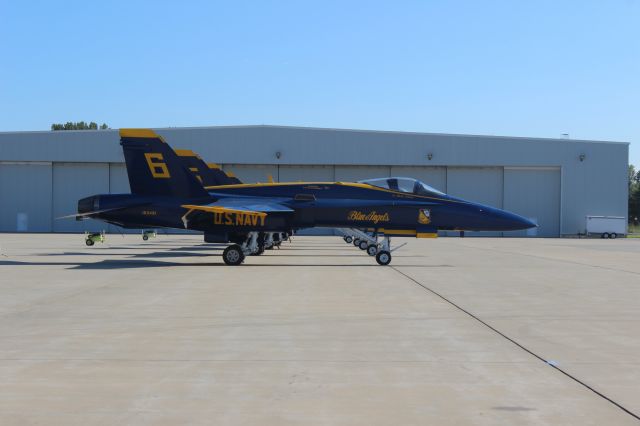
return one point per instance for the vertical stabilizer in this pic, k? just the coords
(154, 168)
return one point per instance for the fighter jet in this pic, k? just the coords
(165, 193)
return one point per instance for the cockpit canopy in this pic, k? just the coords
(403, 184)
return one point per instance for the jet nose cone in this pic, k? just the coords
(515, 222)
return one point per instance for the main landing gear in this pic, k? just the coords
(370, 243)
(254, 244)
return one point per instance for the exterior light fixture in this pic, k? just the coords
(581, 157)
(278, 154)
(429, 156)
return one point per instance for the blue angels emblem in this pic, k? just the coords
(424, 216)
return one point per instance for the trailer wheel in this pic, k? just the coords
(605, 235)
(613, 235)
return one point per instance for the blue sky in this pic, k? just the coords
(523, 68)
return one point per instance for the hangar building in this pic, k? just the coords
(555, 182)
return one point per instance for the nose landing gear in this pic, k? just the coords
(383, 258)
(364, 241)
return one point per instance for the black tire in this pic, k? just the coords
(233, 255)
(145, 238)
(613, 235)
(383, 257)
(348, 239)
(372, 250)
(605, 235)
(363, 245)
(88, 242)
(356, 242)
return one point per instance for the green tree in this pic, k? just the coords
(78, 125)
(634, 195)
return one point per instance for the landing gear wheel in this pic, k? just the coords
(261, 250)
(383, 258)
(348, 239)
(613, 236)
(233, 255)
(372, 250)
(363, 245)
(88, 242)
(356, 242)
(145, 238)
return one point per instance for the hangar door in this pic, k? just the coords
(305, 174)
(356, 173)
(72, 181)
(479, 184)
(252, 173)
(534, 193)
(118, 179)
(435, 177)
(25, 197)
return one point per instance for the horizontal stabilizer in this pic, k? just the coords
(87, 215)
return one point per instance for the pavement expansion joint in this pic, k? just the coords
(553, 364)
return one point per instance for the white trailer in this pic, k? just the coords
(606, 226)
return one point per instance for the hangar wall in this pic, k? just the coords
(43, 174)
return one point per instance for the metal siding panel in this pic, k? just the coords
(435, 177)
(306, 173)
(72, 181)
(535, 194)
(356, 173)
(480, 184)
(255, 173)
(25, 188)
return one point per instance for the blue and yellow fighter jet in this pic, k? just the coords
(166, 192)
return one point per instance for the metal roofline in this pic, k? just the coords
(335, 129)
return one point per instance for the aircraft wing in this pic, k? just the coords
(241, 205)
(237, 206)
